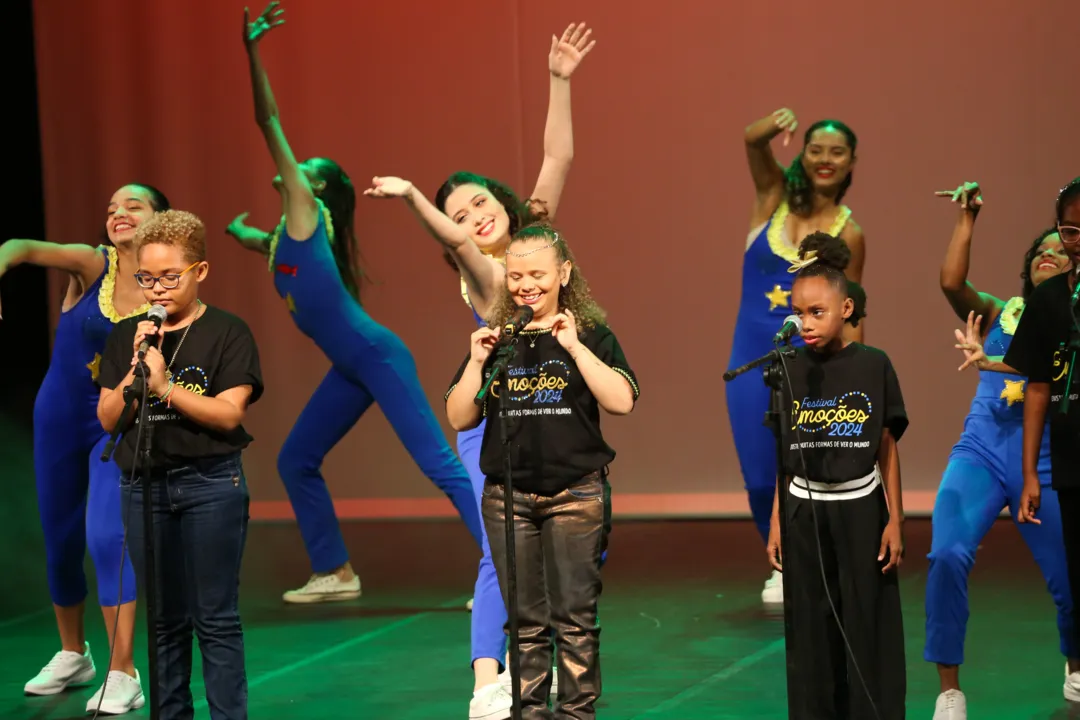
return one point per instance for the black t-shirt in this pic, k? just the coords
(218, 354)
(553, 419)
(838, 406)
(1039, 350)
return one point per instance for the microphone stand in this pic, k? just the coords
(504, 353)
(138, 390)
(774, 418)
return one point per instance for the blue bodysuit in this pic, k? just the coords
(765, 302)
(984, 475)
(369, 364)
(78, 494)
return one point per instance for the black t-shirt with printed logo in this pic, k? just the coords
(1039, 349)
(836, 409)
(218, 354)
(553, 419)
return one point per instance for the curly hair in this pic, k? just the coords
(574, 296)
(521, 212)
(174, 228)
(797, 186)
(1029, 257)
(1068, 194)
(831, 256)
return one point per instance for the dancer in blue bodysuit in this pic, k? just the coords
(78, 495)
(311, 254)
(790, 204)
(474, 220)
(985, 472)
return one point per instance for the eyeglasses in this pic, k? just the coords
(1069, 234)
(168, 281)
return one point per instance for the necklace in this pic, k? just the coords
(168, 368)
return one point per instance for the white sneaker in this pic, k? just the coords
(491, 702)
(950, 705)
(468, 605)
(324, 588)
(773, 593)
(1072, 685)
(504, 678)
(66, 669)
(123, 694)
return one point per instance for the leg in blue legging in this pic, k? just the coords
(105, 532)
(489, 611)
(747, 402)
(387, 370)
(1048, 548)
(968, 502)
(332, 411)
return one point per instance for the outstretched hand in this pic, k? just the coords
(269, 19)
(567, 52)
(969, 195)
(388, 187)
(970, 343)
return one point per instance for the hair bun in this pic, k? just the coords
(828, 250)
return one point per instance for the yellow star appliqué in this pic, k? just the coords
(290, 303)
(94, 366)
(777, 297)
(1013, 392)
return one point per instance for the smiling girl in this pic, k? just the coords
(843, 509)
(567, 366)
(790, 203)
(78, 494)
(985, 473)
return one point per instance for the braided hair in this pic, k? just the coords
(797, 185)
(829, 257)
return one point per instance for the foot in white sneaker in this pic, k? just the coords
(1072, 685)
(324, 588)
(773, 593)
(122, 694)
(468, 605)
(66, 669)
(491, 702)
(950, 705)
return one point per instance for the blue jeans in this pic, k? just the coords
(200, 525)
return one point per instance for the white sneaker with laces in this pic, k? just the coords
(773, 593)
(950, 705)
(324, 588)
(66, 669)
(122, 694)
(1072, 685)
(491, 702)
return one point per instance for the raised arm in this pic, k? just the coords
(298, 198)
(483, 276)
(766, 172)
(565, 55)
(960, 293)
(83, 262)
(250, 238)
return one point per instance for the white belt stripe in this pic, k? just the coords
(848, 490)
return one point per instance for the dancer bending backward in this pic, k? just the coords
(312, 256)
(985, 472)
(78, 495)
(474, 220)
(790, 203)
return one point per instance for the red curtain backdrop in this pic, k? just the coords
(657, 204)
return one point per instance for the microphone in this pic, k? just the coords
(517, 322)
(156, 315)
(792, 326)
